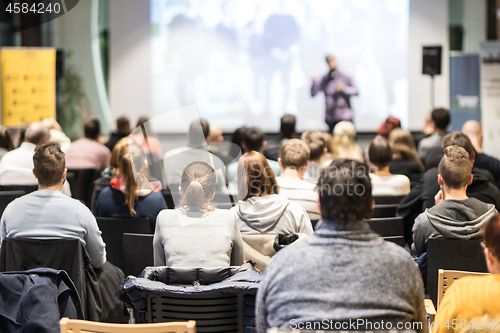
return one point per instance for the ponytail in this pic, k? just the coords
(127, 170)
(198, 185)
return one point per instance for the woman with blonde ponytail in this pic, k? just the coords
(196, 234)
(343, 144)
(130, 194)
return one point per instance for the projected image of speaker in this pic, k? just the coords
(431, 60)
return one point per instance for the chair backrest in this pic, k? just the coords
(138, 249)
(388, 199)
(446, 279)
(26, 188)
(167, 195)
(81, 182)
(70, 255)
(387, 227)
(384, 210)
(456, 254)
(113, 228)
(6, 197)
(97, 187)
(83, 326)
(399, 240)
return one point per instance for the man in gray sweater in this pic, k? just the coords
(344, 276)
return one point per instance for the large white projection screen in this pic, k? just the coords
(247, 62)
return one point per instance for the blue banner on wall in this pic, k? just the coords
(464, 89)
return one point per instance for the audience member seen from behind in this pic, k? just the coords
(287, 132)
(430, 151)
(122, 130)
(369, 279)
(293, 162)
(57, 134)
(405, 160)
(390, 124)
(474, 131)
(130, 194)
(383, 181)
(144, 136)
(343, 145)
(475, 299)
(88, 153)
(316, 141)
(6, 143)
(260, 208)
(455, 215)
(114, 162)
(49, 214)
(195, 234)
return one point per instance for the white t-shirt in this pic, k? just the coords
(390, 185)
(301, 192)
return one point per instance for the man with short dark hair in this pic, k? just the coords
(287, 132)
(344, 272)
(455, 215)
(122, 130)
(422, 194)
(16, 166)
(47, 213)
(88, 153)
(293, 162)
(316, 142)
(429, 149)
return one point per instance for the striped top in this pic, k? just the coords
(301, 192)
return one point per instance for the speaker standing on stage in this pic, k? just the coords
(338, 89)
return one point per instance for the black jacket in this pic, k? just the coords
(489, 163)
(423, 193)
(35, 300)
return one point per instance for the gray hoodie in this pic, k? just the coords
(461, 219)
(273, 214)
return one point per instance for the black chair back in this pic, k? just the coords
(456, 254)
(138, 249)
(97, 187)
(113, 228)
(6, 197)
(167, 195)
(384, 210)
(26, 188)
(388, 199)
(399, 240)
(387, 227)
(80, 182)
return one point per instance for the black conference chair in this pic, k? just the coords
(97, 187)
(384, 210)
(388, 199)
(138, 249)
(167, 195)
(387, 227)
(112, 233)
(80, 182)
(399, 240)
(6, 197)
(26, 188)
(456, 254)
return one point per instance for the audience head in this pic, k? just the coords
(6, 138)
(92, 129)
(198, 186)
(492, 244)
(344, 132)
(143, 121)
(52, 124)
(441, 118)
(455, 168)
(198, 132)
(316, 141)
(254, 140)
(474, 131)
(330, 60)
(123, 125)
(388, 126)
(215, 134)
(380, 153)
(294, 154)
(37, 133)
(345, 192)
(402, 144)
(132, 164)
(49, 165)
(287, 128)
(255, 176)
(116, 154)
(459, 139)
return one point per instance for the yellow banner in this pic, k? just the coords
(28, 85)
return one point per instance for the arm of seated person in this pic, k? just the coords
(94, 244)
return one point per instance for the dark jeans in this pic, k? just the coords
(331, 124)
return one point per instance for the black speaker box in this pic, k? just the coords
(431, 60)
